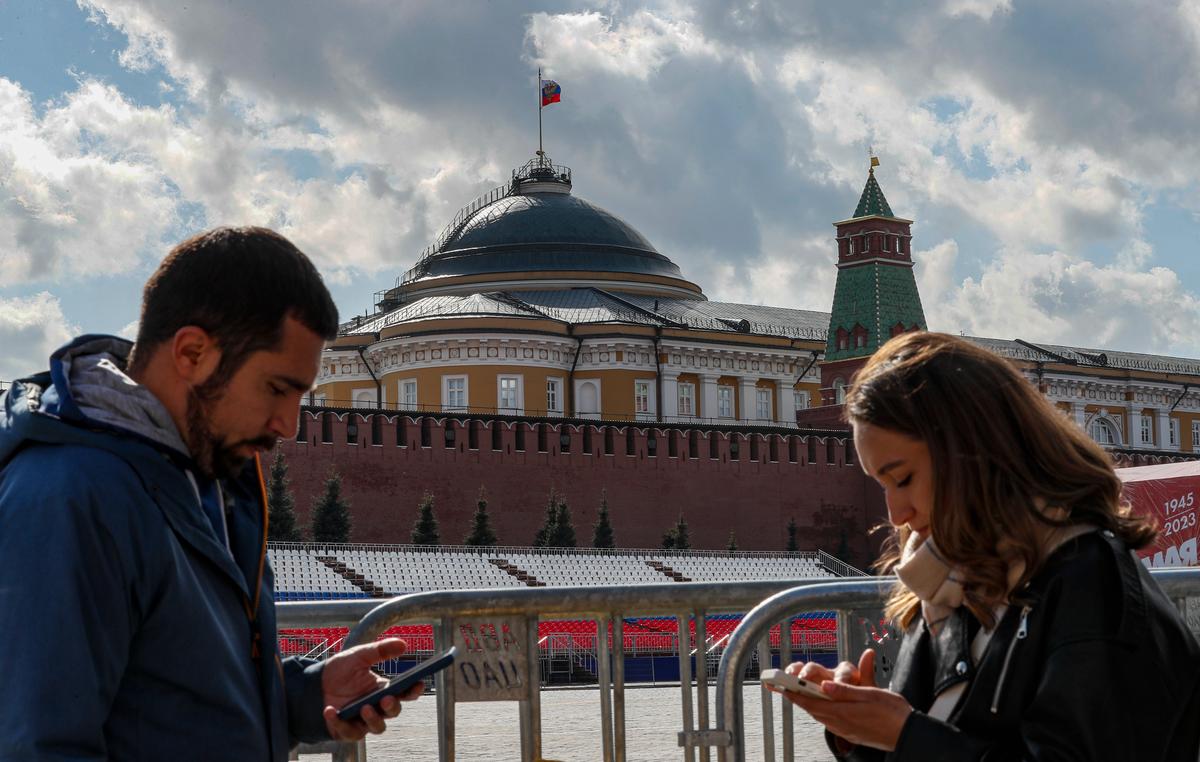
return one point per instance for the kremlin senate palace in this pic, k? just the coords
(543, 345)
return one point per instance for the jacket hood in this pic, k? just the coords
(85, 391)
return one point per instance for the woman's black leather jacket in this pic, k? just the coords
(1091, 662)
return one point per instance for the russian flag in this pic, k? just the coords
(551, 92)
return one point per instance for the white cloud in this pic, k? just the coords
(981, 161)
(30, 329)
(1065, 298)
(69, 204)
(934, 270)
(791, 281)
(97, 184)
(635, 47)
(984, 9)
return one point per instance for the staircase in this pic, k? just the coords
(353, 577)
(659, 566)
(564, 662)
(517, 572)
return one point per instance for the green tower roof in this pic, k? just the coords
(872, 201)
(877, 296)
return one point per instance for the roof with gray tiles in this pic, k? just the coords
(1020, 349)
(593, 305)
(728, 316)
(584, 305)
(434, 307)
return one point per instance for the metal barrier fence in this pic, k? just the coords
(495, 632)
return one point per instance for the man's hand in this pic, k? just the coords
(859, 713)
(348, 675)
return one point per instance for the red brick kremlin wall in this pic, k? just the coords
(772, 476)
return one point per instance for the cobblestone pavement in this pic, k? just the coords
(571, 729)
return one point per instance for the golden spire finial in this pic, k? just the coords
(874, 159)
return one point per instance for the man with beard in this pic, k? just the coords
(136, 603)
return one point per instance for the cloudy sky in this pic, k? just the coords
(1046, 150)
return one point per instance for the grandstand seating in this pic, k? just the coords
(720, 569)
(399, 572)
(312, 572)
(572, 569)
(300, 576)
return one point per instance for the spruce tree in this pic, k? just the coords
(731, 546)
(331, 514)
(602, 531)
(481, 527)
(792, 545)
(682, 538)
(563, 535)
(546, 532)
(281, 506)
(677, 537)
(425, 530)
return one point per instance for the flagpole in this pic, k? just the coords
(540, 153)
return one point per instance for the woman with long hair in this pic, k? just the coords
(1031, 630)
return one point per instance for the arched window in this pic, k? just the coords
(1103, 431)
(839, 391)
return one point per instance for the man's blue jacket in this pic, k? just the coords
(127, 629)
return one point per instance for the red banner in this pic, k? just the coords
(1171, 494)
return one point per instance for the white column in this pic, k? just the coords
(747, 399)
(670, 395)
(786, 401)
(1135, 428)
(1162, 429)
(1079, 413)
(708, 396)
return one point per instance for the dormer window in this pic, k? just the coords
(859, 336)
(843, 339)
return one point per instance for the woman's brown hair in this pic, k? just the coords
(998, 448)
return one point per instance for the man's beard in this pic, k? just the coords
(213, 458)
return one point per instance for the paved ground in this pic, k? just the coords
(571, 729)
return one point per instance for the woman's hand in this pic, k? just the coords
(858, 711)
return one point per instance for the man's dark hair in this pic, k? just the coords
(238, 284)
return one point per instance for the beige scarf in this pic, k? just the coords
(924, 570)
